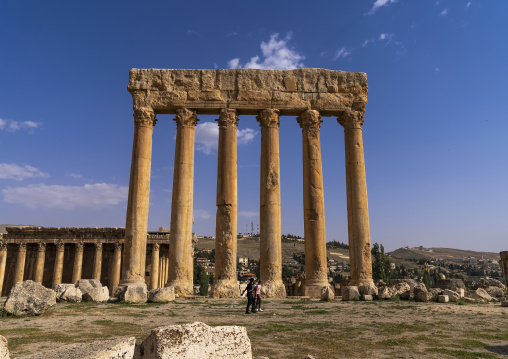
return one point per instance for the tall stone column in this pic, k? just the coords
(39, 262)
(3, 261)
(97, 262)
(136, 224)
(59, 261)
(116, 267)
(269, 209)
(316, 276)
(77, 268)
(154, 275)
(20, 263)
(357, 204)
(180, 248)
(503, 263)
(225, 283)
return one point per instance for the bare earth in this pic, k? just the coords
(290, 328)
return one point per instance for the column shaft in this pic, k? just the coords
(357, 204)
(180, 249)
(225, 282)
(20, 263)
(116, 267)
(58, 268)
(39, 263)
(136, 224)
(269, 209)
(77, 268)
(3, 262)
(316, 276)
(97, 262)
(154, 275)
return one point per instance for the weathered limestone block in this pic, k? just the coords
(490, 282)
(504, 303)
(132, 293)
(453, 296)
(350, 292)
(68, 293)
(412, 283)
(435, 291)
(92, 290)
(422, 296)
(407, 295)
(443, 298)
(451, 284)
(495, 292)
(388, 292)
(479, 294)
(196, 340)
(29, 298)
(369, 289)
(420, 287)
(120, 348)
(327, 294)
(367, 297)
(161, 295)
(4, 351)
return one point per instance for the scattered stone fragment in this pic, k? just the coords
(350, 292)
(443, 298)
(327, 294)
(367, 297)
(29, 298)
(161, 295)
(132, 293)
(370, 289)
(495, 292)
(479, 294)
(309, 357)
(453, 296)
(120, 348)
(68, 293)
(196, 340)
(4, 352)
(504, 303)
(422, 296)
(407, 295)
(451, 284)
(92, 290)
(388, 292)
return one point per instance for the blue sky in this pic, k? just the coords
(434, 133)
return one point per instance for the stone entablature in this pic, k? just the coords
(249, 90)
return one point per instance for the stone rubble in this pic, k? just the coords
(132, 293)
(161, 295)
(29, 298)
(327, 294)
(68, 293)
(350, 293)
(4, 351)
(92, 290)
(479, 294)
(443, 298)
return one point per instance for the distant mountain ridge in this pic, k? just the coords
(449, 254)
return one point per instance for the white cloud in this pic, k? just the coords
(365, 43)
(207, 137)
(202, 214)
(18, 173)
(444, 12)
(75, 175)
(249, 214)
(384, 36)
(277, 55)
(378, 4)
(342, 53)
(437, 69)
(13, 126)
(232, 33)
(98, 195)
(468, 4)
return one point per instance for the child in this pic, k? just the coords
(259, 290)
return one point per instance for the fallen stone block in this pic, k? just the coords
(68, 293)
(369, 289)
(196, 340)
(479, 294)
(367, 297)
(451, 284)
(161, 295)
(120, 348)
(504, 303)
(132, 293)
(327, 294)
(422, 296)
(350, 292)
(453, 296)
(443, 298)
(407, 295)
(4, 351)
(96, 295)
(495, 292)
(29, 298)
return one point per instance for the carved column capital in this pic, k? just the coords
(310, 119)
(79, 246)
(22, 246)
(118, 246)
(351, 119)
(144, 116)
(98, 246)
(155, 247)
(3, 245)
(269, 118)
(60, 246)
(185, 117)
(228, 118)
(41, 246)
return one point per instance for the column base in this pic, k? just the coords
(364, 282)
(314, 290)
(274, 289)
(225, 289)
(131, 293)
(182, 289)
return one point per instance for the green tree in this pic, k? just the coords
(427, 280)
(381, 265)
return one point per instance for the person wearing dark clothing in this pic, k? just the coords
(251, 297)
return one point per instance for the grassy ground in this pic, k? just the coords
(289, 328)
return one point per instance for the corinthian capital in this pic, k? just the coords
(22, 246)
(185, 117)
(41, 246)
(228, 118)
(60, 245)
(351, 119)
(155, 247)
(269, 118)
(144, 116)
(310, 119)
(118, 247)
(98, 246)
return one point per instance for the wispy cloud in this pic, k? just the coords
(444, 12)
(202, 214)
(13, 126)
(249, 214)
(192, 32)
(98, 195)
(365, 43)
(276, 53)
(343, 52)
(468, 4)
(207, 137)
(378, 4)
(232, 33)
(74, 175)
(18, 173)
(437, 69)
(385, 36)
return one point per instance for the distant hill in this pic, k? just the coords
(448, 254)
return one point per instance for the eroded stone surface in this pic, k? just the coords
(161, 295)
(132, 293)
(29, 298)
(92, 290)
(327, 294)
(120, 348)
(196, 340)
(4, 352)
(443, 298)
(350, 292)
(68, 293)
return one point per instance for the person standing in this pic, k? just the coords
(251, 299)
(259, 291)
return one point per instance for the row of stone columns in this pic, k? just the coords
(225, 285)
